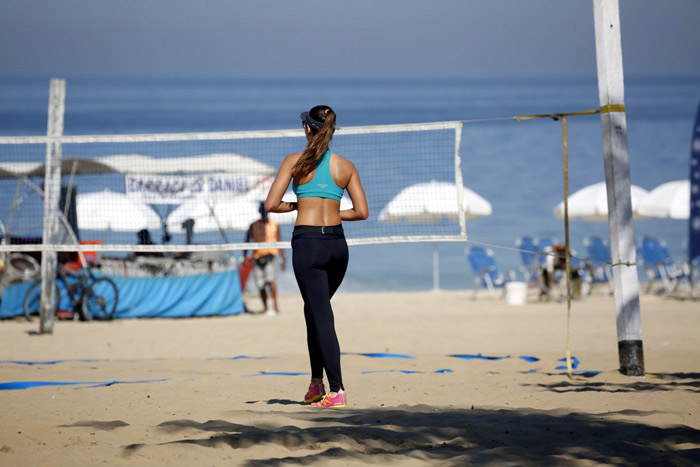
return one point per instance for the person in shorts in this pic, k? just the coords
(265, 260)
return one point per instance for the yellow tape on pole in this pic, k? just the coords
(603, 110)
(582, 112)
(612, 108)
(533, 117)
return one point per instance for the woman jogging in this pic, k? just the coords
(319, 251)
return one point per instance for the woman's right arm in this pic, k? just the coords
(360, 210)
(274, 202)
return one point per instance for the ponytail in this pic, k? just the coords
(321, 120)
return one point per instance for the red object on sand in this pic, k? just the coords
(244, 271)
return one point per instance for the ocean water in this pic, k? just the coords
(517, 166)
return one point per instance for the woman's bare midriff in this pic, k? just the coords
(318, 211)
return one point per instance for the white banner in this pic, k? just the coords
(175, 189)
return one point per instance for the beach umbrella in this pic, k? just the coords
(109, 210)
(432, 202)
(591, 203)
(222, 214)
(671, 199)
(211, 215)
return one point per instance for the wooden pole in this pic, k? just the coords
(52, 193)
(617, 177)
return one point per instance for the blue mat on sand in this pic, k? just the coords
(574, 363)
(380, 355)
(486, 357)
(239, 357)
(279, 373)
(406, 372)
(52, 362)
(88, 384)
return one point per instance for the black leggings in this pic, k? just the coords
(320, 261)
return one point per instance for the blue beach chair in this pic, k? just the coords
(598, 263)
(528, 257)
(485, 270)
(660, 266)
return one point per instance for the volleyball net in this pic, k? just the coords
(199, 192)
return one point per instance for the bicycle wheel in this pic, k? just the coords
(100, 299)
(32, 300)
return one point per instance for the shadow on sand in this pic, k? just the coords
(657, 382)
(445, 436)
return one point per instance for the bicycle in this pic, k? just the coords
(91, 296)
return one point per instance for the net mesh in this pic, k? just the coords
(200, 192)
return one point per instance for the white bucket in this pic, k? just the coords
(516, 293)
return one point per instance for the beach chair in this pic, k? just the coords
(528, 247)
(660, 266)
(598, 264)
(485, 271)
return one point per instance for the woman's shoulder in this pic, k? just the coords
(343, 162)
(291, 159)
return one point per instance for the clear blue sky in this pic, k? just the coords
(337, 37)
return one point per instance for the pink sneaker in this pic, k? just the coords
(333, 399)
(315, 393)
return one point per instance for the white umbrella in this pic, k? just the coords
(109, 210)
(591, 203)
(671, 199)
(430, 203)
(215, 214)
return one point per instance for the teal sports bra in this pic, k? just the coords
(322, 185)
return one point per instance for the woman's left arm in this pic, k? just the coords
(360, 210)
(274, 202)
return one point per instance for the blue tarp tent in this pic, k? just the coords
(217, 294)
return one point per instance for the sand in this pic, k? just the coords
(181, 398)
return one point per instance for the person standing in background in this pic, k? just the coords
(265, 261)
